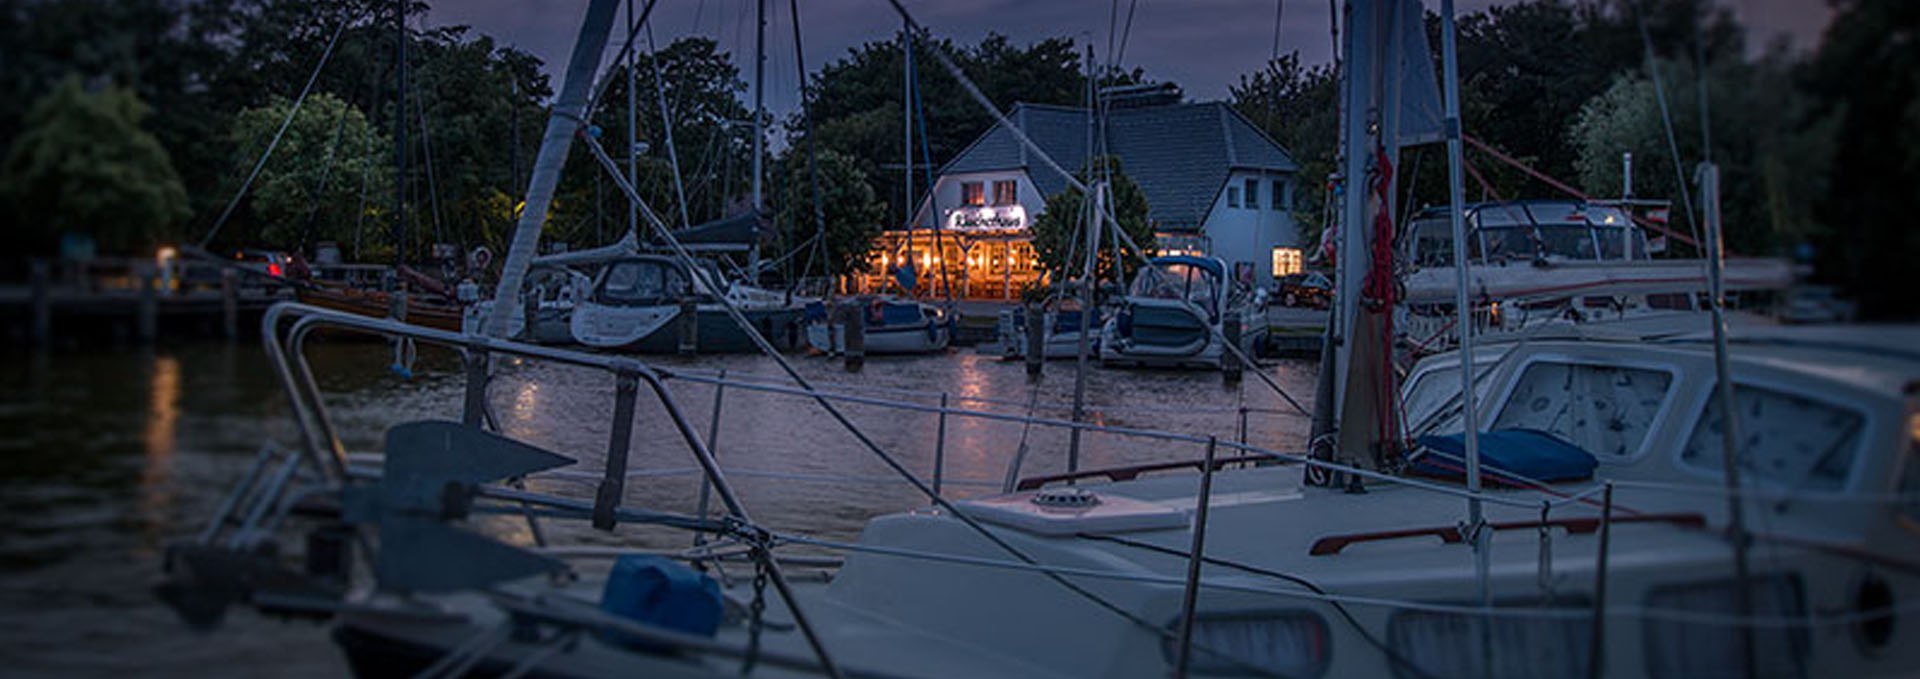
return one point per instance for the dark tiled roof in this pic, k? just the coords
(1179, 155)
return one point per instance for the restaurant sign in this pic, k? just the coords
(1010, 217)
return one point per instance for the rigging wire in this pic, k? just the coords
(274, 143)
(1666, 119)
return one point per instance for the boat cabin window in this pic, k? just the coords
(1175, 281)
(1789, 439)
(1605, 410)
(1512, 242)
(643, 282)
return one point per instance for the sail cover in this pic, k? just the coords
(1422, 119)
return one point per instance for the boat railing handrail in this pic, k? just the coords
(847, 387)
(1504, 612)
(326, 451)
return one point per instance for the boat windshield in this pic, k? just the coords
(1568, 231)
(1175, 281)
(642, 282)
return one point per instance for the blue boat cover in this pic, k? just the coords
(660, 592)
(1506, 456)
(900, 313)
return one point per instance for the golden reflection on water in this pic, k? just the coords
(163, 417)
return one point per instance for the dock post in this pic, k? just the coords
(689, 326)
(1230, 365)
(147, 320)
(473, 411)
(1036, 339)
(229, 305)
(940, 448)
(42, 302)
(613, 484)
(856, 354)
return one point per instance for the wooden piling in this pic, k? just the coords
(229, 305)
(1036, 339)
(689, 325)
(147, 315)
(856, 354)
(1230, 366)
(42, 302)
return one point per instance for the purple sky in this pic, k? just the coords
(1202, 44)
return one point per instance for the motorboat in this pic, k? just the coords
(548, 300)
(1177, 313)
(1559, 261)
(637, 303)
(892, 326)
(1060, 338)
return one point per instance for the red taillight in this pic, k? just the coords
(273, 269)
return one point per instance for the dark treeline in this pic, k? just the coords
(1819, 151)
(136, 120)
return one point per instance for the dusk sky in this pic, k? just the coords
(1204, 45)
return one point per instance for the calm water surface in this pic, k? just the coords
(111, 454)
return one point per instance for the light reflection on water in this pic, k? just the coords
(112, 454)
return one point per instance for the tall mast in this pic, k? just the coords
(906, 123)
(633, 127)
(759, 143)
(562, 123)
(400, 133)
(1463, 323)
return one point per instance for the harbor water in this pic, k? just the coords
(112, 453)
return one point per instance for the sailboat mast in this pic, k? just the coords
(633, 126)
(564, 121)
(906, 124)
(759, 140)
(1456, 203)
(400, 133)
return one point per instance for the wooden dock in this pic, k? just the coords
(139, 302)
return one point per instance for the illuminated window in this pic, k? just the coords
(973, 194)
(1005, 193)
(1286, 261)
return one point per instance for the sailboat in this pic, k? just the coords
(1604, 534)
(641, 302)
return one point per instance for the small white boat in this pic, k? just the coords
(893, 327)
(1175, 315)
(549, 296)
(1061, 340)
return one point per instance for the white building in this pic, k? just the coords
(1214, 184)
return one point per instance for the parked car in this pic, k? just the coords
(1308, 289)
(1815, 304)
(266, 266)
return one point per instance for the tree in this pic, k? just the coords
(83, 164)
(1867, 73)
(857, 104)
(311, 189)
(702, 88)
(1773, 153)
(1297, 106)
(851, 213)
(1059, 232)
